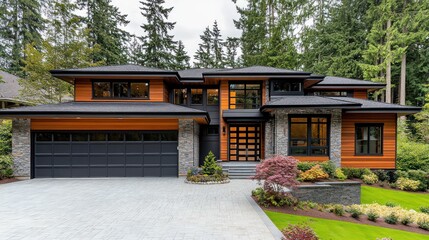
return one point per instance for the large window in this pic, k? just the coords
(123, 89)
(245, 95)
(196, 96)
(212, 96)
(309, 135)
(286, 87)
(180, 96)
(369, 139)
(332, 93)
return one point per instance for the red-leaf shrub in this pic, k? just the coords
(299, 232)
(277, 172)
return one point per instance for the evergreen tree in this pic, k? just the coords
(135, 50)
(217, 43)
(231, 55)
(158, 44)
(204, 54)
(104, 22)
(181, 57)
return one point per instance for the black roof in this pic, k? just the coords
(113, 69)
(116, 109)
(307, 102)
(332, 81)
(256, 70)
(195, 72)
(374, 106)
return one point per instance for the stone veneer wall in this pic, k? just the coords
(188, 145)
(346, 193)
(279, 127)
(21, 148)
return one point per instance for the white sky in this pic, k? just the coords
(191, 17)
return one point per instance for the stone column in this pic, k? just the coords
(21, 148)
(188, 145)
(282, 132)
(335, 141)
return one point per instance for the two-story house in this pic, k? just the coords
(134, 121)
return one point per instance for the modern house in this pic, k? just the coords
(9, 91)
(134, 121)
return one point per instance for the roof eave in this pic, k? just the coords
(334, 106)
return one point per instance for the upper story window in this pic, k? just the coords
(332, 93)
(180, 96)
(286, 87)
(122, 89)
(197, 96)
(245, 95)
(309, 135)
(212, 96)
(369, 139)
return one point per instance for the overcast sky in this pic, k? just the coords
(191, 17)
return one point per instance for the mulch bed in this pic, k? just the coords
(8, 180)
(346, 218)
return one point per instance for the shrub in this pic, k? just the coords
(340, 175)
(274, 199)
(421, 176)
(210, 166)
(355, 172)
(407, 184)
(6, 164)
(391, 218)
(412, 155)
(405, 220)
(372, 216)
(193, 171)
(425, 209)
(300, 231)
(423, 224)
(338, 209)
(382, 175)
(305, 166)
(370, 178)
(315, 173)
(328, 167)
(5, 137)
(277, 172)
(391, 204)
(355, 212)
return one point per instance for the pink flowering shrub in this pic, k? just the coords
(277, 172)
(299, 232)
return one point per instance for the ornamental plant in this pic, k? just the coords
(299, 231)
(315, 173)
(370, 178)
(6, 164)
(407, 184)
(277, 173)
(339, 174)
(210, 166)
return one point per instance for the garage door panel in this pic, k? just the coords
(116, 159)
(168, 159)
(116, 148)
(134, 147)
(79, 148)
(61, 148)
(134, 171)
(43, 148)
(43, 160)
(152, 159)
(116, 171)
(98, 160)
(169, 171)
(98, 147)
(134, 159)
(152, 172)
(98, 171)
(152, 147)
(80, 160)
(80, 172)
(61, 172)
(61, 160)
(169, 147)
(43, 172)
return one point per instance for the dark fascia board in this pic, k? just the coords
(410, 110)
(348, 86)
(354, 105)
(236, 74)
(71, 74)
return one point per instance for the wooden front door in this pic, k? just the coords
(244, 142)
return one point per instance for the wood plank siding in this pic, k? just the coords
(312, 158)
(104, 124)
(348, 157)
(362, 94)
(83, 92)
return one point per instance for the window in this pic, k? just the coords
(197, 96)
(245, 96)
(180, 96)
(331, 93)
(286, 87)
(123, 89)
(309, 135)
(369, 139)
(212, 96)
(213, 130)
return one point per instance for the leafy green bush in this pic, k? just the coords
(425, 209)
(412, 155)
(381, 174)
(300, 231)
(406, 220)
(391, 218)
(315, 173)
(370, 178)
(340, 175)
(421, 176)
(355, 212)
(305, 166)
(407, 184)
(423, 224)
(210, 166)
(328, 167)
(5, 137)
(276, 199)
(355, 172)
(6, 165)
(372, 216)
(338, 209)
(391, 204)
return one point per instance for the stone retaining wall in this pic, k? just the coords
(346, 193)
(21, 152)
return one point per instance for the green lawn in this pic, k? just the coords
(338, 230)
(406, 200)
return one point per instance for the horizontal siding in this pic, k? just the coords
(362, 94)
(104, 124)
(348, 157)
(83, 92)
(224, 101)
(312, 158)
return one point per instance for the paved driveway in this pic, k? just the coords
(130, 208)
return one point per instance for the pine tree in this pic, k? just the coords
(104, 22)
(181, 57)
(158, 44)
(231, 54)
(135, 50)
(217, 43)
(204, 55)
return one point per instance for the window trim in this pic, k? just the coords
(187, 96)
(111, 82)
(309, 147)
(381, 125)
(202, 97)
(278, 93)
(207, 96)
(245, 89)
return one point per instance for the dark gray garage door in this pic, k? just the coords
(105, 154)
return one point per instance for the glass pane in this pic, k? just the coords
(140, 90)
(196, 96)
(115, 137)
(172, 136)
(319, 151)
(120, 89)
(133, 137)
(298, 151)
(319, 142)
(303, 120)
(151, 137)
(298, 130)
(237, 93)
(319, 130)
(236, 86)
(375, 140)
(286, 86)
(79, 137)
(180, 96)
(253, 86)
(319, 120)
(97, 137)
(334, 93)
(102, 90)
(43, 137)
(212, 96)
(298, 142)
(64, 137)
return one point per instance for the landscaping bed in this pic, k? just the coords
(210, 173)
(8, 180)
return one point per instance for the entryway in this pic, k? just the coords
(244, 142)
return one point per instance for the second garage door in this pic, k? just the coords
(105, 154)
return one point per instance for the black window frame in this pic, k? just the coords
(368, 125)
(341, 93)
(207, 96)
(129, 82)
(185, 103)
(309, 138)
(191, 96)
(282, 93)
(245, 95)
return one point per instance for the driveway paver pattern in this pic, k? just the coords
(128, 208)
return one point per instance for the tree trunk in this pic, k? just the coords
(388, 65)
(402, 85)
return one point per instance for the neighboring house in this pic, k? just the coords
(9, 91)
(129, 121)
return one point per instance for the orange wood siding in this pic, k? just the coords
(348, 157)
(83, 92)
(312, 158)
(104, 124)
(362, 94)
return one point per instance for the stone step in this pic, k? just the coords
(235, 170)
(240, 177)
